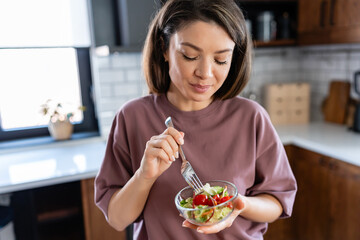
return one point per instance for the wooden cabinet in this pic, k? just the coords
(95, 224)
(328, 21)
(327, 204)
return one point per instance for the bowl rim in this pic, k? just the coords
(209, 207)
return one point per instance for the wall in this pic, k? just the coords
(118, 77)
(319, 65)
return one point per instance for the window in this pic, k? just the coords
(29, 77)
(44, 54)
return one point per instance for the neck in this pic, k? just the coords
(186, 105)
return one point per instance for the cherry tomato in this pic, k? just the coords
(217, 198)
(209, 202)
(200, 199)
(224, 199)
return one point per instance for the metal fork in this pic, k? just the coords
(186, 169)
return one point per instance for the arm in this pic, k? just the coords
(123, 209)
(260, 208)
(159, 153)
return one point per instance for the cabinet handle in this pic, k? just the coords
(322, 161)
(332, 7)
(322, 13)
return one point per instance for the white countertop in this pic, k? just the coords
(50, 164)
(328, 139)
(74, 160)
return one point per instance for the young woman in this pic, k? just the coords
(197, 59)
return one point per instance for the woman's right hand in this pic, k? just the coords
(160, 152)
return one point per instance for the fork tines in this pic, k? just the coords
(192, 179)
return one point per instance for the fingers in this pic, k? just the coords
(177, 135)
(166, 145)
(239, 203)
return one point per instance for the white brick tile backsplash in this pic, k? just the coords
(106, 91)
(121, 78)
(134, 75)
(125, 60)
(111, 75)
(127, 90)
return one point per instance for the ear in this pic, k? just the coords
(166, 55)
(165, 51)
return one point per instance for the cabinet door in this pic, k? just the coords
(327, 205)
(345, 21)
(329, 21)
(312, 203)
(344, 199)
(345, 13)
(96, 226)
(312, 15)
(313, 27)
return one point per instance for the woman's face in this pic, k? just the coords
(199, 57)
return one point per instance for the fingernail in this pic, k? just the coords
(199, 230)
(184, 225)
(181, 140)
(173, 158)
(177, 154)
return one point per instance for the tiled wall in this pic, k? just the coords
(320, 65)
(118, 77)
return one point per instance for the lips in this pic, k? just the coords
(200, 88)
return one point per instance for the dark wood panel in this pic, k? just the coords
(327, 205)
(96, 227)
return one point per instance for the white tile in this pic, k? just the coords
(134, 75)
(106, 91)
(125, 60)
(103, 62)
(111, 76)
(127, 90)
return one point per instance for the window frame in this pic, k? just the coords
(89, 123)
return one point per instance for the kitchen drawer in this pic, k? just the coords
(299, 115)
(288, 103)
(299, 90)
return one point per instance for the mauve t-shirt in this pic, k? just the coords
(231, 140)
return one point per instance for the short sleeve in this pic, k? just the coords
(116, 168)
(273, 172)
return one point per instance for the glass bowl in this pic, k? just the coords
(207, 215)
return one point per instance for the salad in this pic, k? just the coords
(204, 203)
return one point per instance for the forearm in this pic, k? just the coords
(261, 208)
(126, 204)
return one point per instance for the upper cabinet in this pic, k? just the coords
(328, 21)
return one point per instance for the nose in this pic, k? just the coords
(204, 69)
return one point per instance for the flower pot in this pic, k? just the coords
(61, 130)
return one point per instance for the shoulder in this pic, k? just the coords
(137, 105)
(245, 105)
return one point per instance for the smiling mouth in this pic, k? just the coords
(200, 88)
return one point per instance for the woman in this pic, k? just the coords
(196, 59)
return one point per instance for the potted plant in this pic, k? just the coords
(60, 119)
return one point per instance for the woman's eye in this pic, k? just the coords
(221, 62)
(189, 58)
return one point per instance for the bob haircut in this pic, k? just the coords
(176, 14)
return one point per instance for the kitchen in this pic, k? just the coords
(117, 78)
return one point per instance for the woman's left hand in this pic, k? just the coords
(239, 205)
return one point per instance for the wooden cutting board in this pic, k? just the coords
(335, 105)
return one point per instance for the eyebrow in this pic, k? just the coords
(199, 49)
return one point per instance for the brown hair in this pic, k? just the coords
(174, 15)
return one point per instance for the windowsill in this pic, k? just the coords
(37, 141)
